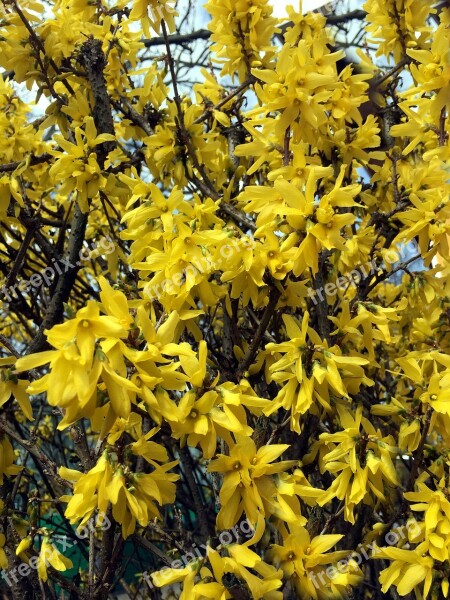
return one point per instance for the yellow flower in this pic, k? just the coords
(409, 435)
(247, 485)
(80, 359)
(436, 509)
(298, 87)
(433, 71)
(159, 10)
(77, 166)
(363, 459)
(408, 570)
(133, 495)
(10, 385)
(302, 560)
(23, 545)
(7, 458)
(392, 35)
(310, 371)
(3, 557)
(242, 32)
(239, 568)
(50, 555)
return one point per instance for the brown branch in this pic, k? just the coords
(81, 447)
(322, 303)
(377, 81)
(25, 588)
(420, 448)
(33, 160)
(286, 150)
(206, 185)
(170, 539)
(363, 291)
(153, 549)
(51, 468)
(65, 282)
(178, 38)
(108, 558)
(29, 234)
(224, 101)
(11, 497)
(443, 134)
(130, 113)
(357, 14)
(274, 296)
(8, 345)
(92, 58)
(188, 470)
(40, 48)
(205, 34)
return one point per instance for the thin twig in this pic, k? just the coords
(188, 471)
(420, 448)
(274, 296)
(50, 466)
(225, 100)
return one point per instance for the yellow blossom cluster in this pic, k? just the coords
(266, 335)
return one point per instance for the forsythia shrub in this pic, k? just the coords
(225, 301)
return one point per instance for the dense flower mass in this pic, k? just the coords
(224, 297)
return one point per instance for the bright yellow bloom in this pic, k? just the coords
(303, 561)
(363, 459)
(10, 385)
(247, 484)
(133, 495)
(436, 508)
(311, 371)
(50, 555)
(3, 557)
(7, 459)
(159, 10)
(240, 566)
(77, 166)
(241, 31)
(408, 570)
